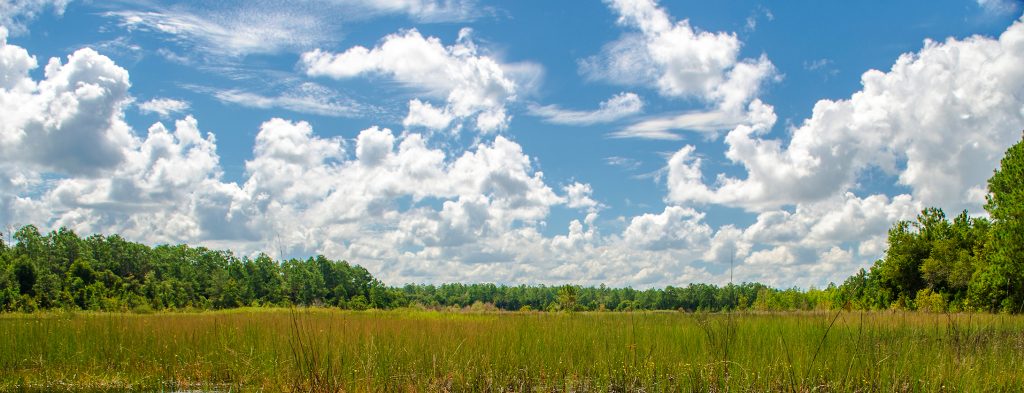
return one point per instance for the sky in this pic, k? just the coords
(625, 142)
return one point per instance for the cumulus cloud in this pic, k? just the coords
(167, 189)
(422, 114)
(164, 106)
(675, 227)
(71, 121)
(836, 220)
(814, 243)
(579, 196)
(473, 86)
(471, 216)
(679, 61)
(300, 193)
(413, 212)
(728, 244)
(474, 216)
(617, 107)
(939, 120)
(332, 203)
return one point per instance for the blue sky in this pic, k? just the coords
(625, 142)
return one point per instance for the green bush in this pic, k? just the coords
(929, 301)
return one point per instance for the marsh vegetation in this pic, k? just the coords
(417, 350)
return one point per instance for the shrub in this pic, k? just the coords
(929, 301)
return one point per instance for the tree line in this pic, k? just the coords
(932, 263)
(60, 270)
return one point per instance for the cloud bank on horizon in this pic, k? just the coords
(403, 151)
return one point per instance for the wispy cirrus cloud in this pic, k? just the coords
(230, 33)
(308, 98)
(1000, 6)
(274, 26)
(425, 11)
(625, 163)
(709, 122)
(617, 107)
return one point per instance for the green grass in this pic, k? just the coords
(331, 350)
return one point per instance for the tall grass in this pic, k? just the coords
(331, 350)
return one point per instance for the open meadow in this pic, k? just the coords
(411, 350)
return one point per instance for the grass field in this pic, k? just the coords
(331, 350)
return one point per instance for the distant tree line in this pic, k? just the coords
(61, 270)
(933, 264)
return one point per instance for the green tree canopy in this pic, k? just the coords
(1000, 283)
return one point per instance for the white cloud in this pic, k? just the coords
(422, 114)
(577, 239)
(710, 121)
(1000, 6)
(326, 197)
(817, 64)
(758, 13)
(623, 162)
(473, 86)
(833, 221)
(163, 106)
(823, 66)
(373, 146)
(71, 121)
(16, 14)
(232, 29)
(579, 196)
(679, 60)
(675, 228)
(682, 62)
(309, 98)
(617, 107)
(778, 256)
(471, 216)
(952, 108)
(728, 245)
(305, 194)
(817, 242)
(249, 29)
(290, 165)
(422, 10)
(412, 212)
(165, 190)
